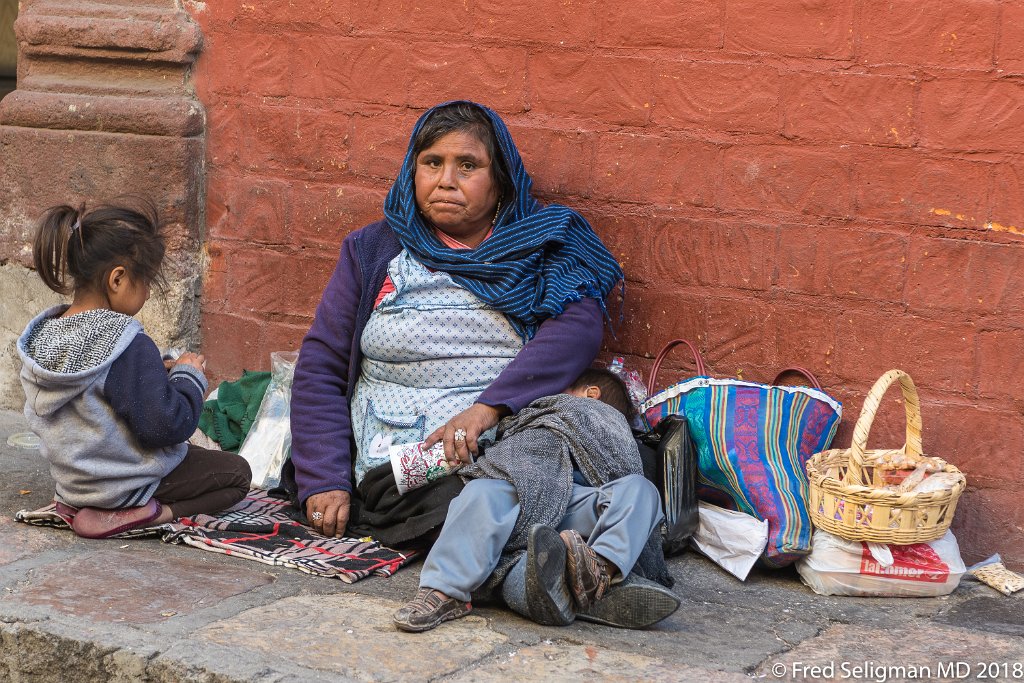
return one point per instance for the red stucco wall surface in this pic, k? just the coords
(830, 183)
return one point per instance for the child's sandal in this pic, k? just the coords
(103, 523)
(65, 512)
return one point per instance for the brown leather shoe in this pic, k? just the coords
(586, 571)
(429, 610)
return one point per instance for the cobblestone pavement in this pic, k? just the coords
(78, 610)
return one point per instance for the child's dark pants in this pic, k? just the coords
(205, 482)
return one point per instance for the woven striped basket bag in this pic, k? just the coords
(753, 441)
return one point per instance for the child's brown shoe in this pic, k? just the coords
(429, 610)
(587, 572)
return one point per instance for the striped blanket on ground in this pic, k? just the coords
(259, 529)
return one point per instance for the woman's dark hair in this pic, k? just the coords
(465, 117)
(76, 249)
(613, 390)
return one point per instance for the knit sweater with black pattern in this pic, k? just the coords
(112, 421)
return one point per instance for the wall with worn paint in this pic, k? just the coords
(835, 184)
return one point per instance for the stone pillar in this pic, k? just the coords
(104, 107)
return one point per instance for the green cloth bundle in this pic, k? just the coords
(227, 418)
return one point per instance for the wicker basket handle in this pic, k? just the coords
(652, 382)
(912, 405)
(801, 371)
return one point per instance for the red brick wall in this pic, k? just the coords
(832, 183)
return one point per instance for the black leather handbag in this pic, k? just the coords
(670, 461)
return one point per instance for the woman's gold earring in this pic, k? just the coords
(494, 221)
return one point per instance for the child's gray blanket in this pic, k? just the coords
(536, 451)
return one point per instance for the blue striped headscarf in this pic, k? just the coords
(538, 259)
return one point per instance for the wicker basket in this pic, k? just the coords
(845, 494)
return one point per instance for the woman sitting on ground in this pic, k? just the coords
(467, 302)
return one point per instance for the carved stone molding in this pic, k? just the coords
(112, 66)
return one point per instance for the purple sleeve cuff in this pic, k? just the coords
(549, 363)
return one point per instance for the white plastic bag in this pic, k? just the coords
(840, 567)
(733, 540)
(269, 441)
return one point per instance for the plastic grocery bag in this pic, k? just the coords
(733, 540)
(837, 566)
(269, 441)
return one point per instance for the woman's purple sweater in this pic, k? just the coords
(330, 360)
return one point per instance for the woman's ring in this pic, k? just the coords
(316, 516)
(460, 434)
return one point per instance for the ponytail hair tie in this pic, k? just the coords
(78, 219)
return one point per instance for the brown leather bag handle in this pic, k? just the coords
(802, 371)
(701, 369)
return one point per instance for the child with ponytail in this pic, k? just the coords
(112, 417)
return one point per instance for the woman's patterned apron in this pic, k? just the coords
(429, 349)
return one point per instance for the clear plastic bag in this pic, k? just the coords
(632, 380)
(269, 441)
(635, 387)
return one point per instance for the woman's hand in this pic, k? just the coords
(328, 512)
(194, 359)
(474, 421)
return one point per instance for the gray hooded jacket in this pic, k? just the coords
(112, 421)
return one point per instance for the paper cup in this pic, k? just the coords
(415, 467)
